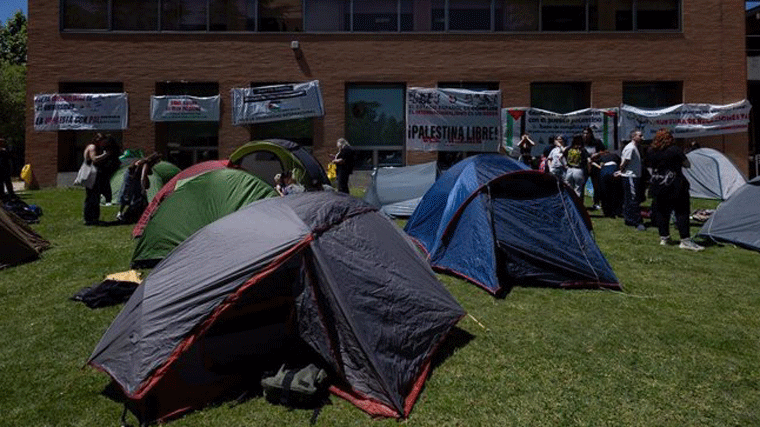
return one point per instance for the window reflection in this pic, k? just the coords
(375, 122)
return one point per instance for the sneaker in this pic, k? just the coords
(690, 245)
(119, 217)
(664, 240)
(595, 207)
(641, 227)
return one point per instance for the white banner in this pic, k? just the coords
(275, 103)
(175, 108)
(686, 120)
(543, 126)
(453, 120)
(80, 111)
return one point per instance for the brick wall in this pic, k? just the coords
(708, 56)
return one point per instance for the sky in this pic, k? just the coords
(8, 8)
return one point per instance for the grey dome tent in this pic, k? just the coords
(398, 190)
(712, 175)
(322, 268)
(266, 158)
(737, 220)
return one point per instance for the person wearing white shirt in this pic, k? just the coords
(630, 173)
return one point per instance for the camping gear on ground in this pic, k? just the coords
(18, 242)
(712, 175)
(194, 203)
(497, 224)
(86, 175)
(115, 289)
(398, 190)
(267, 158)
(296, 387)
(320, 268)
(737, 220)
(169, 187)
(30, 214)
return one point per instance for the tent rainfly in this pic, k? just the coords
(398, 190)
(712, 175)
(491, 221)
(322, 269)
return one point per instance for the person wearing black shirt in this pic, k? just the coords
(344, 164)
(670, 188)
(5, 171)
(593, 147)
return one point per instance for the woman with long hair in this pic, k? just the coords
(669, 188)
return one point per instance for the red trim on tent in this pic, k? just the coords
(366, 404)
(169, 187)
(225, 305)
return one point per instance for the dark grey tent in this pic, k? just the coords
(737, 220)
(18, 242)
(324, 269)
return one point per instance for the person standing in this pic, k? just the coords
(670, 189)
(594, 147)
(556, 158)
(630, 174)
(6, 166)
(526, 146)
(93, 155)
(344, 164)
(107, 166)
(576, 157)
(609, 185)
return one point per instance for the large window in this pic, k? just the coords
(371, 15)
(653, 94)
(375, 123)
(562, 97)
(187, 143)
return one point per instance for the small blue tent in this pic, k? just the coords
(496, 224)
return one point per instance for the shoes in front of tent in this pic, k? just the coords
(689, 244)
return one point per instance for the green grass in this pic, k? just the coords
(680, 347)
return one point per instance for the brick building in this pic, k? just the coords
(559, 55)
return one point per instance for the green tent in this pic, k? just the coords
(162, 173)
(195, 203)
(267, 158)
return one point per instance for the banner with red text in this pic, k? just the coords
(80, 111)
(176, 108)
(686, 120)
(453, 120)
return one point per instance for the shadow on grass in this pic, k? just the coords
(457, 339)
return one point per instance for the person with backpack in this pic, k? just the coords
(344, 164)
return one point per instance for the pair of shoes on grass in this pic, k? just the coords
(686, 243)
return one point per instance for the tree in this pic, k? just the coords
(13, 85)
(13, 40)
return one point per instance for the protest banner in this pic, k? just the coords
(278, 102)
(686, 120)
(543, 126)
(453, 120)
(175, 108)
(80, 111)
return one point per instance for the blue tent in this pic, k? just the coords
(491, 221)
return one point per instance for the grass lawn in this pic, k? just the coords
(680, 347)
